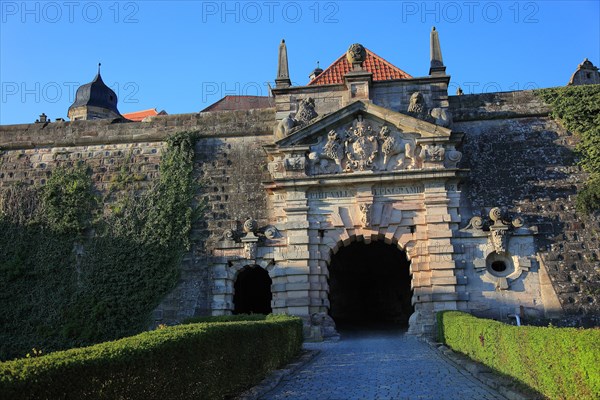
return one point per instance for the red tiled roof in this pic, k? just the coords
(140, 115)
(380, 68)
(229, 103)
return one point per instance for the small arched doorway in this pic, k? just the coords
(252, 291)
(369, 285)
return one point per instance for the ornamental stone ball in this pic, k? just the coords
(356, 54)
(250, 225)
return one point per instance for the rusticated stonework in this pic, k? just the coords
(397, 162)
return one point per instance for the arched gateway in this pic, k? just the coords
(361, 174)
(364, 163)
(369, 284)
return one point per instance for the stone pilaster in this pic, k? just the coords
(434, 279)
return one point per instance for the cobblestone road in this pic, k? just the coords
(379, 365)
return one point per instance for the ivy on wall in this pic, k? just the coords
(76, 271)
(578, 110)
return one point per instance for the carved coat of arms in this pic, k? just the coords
(361, 146)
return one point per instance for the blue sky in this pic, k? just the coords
(182, 56)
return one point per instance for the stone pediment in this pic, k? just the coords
(363, 137)
(371, 111)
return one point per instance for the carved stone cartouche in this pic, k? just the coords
(361, 146)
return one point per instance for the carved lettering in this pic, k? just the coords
(331, 194)
(391, 190)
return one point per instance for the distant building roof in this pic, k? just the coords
(381, 69)
(229, 103)
(140, 115)
(96, 94)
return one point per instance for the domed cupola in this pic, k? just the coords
(94, 100)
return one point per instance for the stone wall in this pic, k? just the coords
(230, 171)
(518, 158)
(229, 167)
(521, 159)
(56, 134)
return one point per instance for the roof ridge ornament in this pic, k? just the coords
(356, 56)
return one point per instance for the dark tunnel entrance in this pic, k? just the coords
(252, 291)
(369, 286)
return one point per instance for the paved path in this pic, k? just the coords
(379, 365)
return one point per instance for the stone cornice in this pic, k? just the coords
(370, 178)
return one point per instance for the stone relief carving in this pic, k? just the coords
(229, 234)
(295, 163)
(250, 225)
(394, 145)
(365, 214)
(433, 152)
(285, 126)
(277, 168)
(441, 116)
(250, 240)
(497, 231)
(329, 159)
(294, 121)
(499, 239)
(271, 232)
(417, 107)
(365, 145)
(306, 112)
(359, 147)
(453, 157)
(250, 250)
(475, 223)
(245, 240)
(356, 53)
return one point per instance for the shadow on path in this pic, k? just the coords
(382, 362)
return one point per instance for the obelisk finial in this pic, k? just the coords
(283, 74)
(437, 63)
(99, 64)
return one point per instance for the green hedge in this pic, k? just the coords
(193, 361)
(560, 363)
(230, 318)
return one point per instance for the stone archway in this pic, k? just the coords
(370, 284)
(252, 291)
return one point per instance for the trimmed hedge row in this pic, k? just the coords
(193, 361)
(229, 318)
(560, 363)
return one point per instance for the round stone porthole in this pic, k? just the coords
(499, 265)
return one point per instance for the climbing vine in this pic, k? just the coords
(578, 110)
(77, 270)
